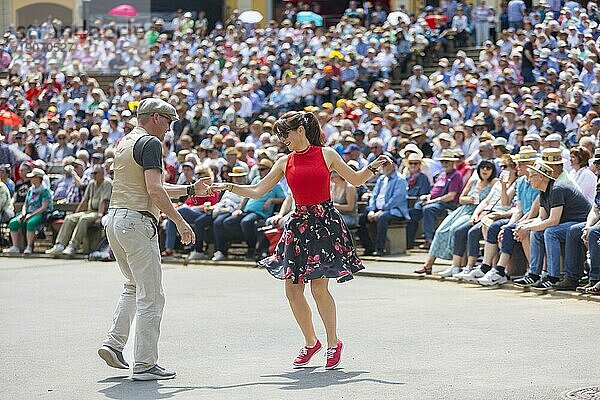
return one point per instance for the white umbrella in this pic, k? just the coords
(250, 17)
(396, 17)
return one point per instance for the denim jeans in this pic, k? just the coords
(508, 240)
(548, 241)
(218, 232)
(594, 246)
(241, 226)
(197, 219)
(466, 238)
(428, 213)
(382, 227)
(574, 252)
(494, 230)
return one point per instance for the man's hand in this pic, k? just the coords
(202, 187)
(371, 216)
(236, 213)
(521, 234)
(186, 232)
(584, 235)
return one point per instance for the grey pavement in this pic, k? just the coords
(229, 334)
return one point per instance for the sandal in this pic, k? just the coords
(424, 270)
(167, 253)
(582, 289)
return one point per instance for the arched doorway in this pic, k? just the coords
(39, 12)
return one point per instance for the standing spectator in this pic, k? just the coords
(481, 19)
(516, 13)
(327, 87)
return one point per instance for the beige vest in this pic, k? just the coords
(129, 186)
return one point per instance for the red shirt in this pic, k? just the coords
(308, 176)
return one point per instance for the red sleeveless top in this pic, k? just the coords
(308, 176)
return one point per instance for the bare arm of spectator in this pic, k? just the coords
(84, 201)
(240, 210)
(40, 210)
(545, 221)
(592, 219)
(350, 200)
(464, 199)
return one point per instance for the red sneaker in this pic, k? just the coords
(334, 355)
(306, 354)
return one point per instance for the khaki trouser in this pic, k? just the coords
(75, 227)
(134, 241)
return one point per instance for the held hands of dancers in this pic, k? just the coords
(202, 187)
(220, 186)
(378, 162)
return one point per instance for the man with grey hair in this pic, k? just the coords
(138, 197)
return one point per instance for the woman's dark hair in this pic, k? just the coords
(294, 119)
(490, 165)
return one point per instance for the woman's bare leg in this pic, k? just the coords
(326, 307)
(301, 311)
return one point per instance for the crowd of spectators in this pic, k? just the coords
(496, 145)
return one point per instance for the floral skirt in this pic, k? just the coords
(315, 244)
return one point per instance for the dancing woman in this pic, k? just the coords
(316, 244)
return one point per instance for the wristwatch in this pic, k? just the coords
(191, 190)
(372, 169)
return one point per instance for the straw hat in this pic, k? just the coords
(238, 171)
(552, 156)
(596, 155)
(446, 137)
(447, 155)
(541, 168)
(526, 153)
(412, 148)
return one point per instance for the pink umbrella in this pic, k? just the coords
(124, 10)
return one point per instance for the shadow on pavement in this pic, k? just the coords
(147, 390)
(299, 379)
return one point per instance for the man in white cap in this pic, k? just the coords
(139, 195)
(554, 141)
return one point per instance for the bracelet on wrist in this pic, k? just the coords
(191, 190)
(229, 187)
(372, 169)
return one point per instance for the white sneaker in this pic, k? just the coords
(448, 272)
(14, 250)
(465, 271)
(474, 275)
(28, 250)
(218, 256)
(196, 255)
(69, 250)
(492, 278)
(56, 249)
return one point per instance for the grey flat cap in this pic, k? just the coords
(152, 105)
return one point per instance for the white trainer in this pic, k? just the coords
(69, 250)
(474, 275)
(56, 249)
(14, 250)
(218, 256)
(28, 250)
(465, 271)
(196, 255)
(492, 278)
(448, 272)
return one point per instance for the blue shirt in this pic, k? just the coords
(256, 205)
(526, 194)
(514, 10)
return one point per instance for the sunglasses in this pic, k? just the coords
(414, 163)
(503, 166)
(488, 167)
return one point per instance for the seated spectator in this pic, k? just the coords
(500, 240)
(474, 192)
(387, 204)
(581, 173)
(561, 206)
(38, 202)
(187, 174)
(196, 211)
(228, 203)
(23, 184)
(62, 148)
(5, 177)
(443, 196)
(69, 188)
(344, 199)
(245, 218)
(418, 183)
(89, 212)
(7, 211)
